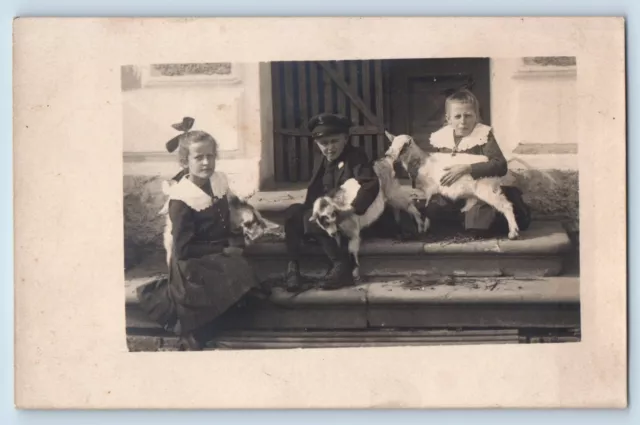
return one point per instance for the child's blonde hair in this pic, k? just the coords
(189, 138)
(463, 96)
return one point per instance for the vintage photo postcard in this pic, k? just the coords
(320, 212)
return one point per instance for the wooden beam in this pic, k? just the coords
(341, 83)
(289, 118)
(366, 96)
(359, 131)
(328, 93)
(381, 142)
(305, 170)
(279, 139)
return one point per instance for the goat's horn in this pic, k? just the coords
(389, 136)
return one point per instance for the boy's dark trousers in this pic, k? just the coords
(297, 229)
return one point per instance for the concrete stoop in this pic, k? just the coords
(412, 293)
(409, 311)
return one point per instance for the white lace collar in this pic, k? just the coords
(189, 193)
(444, 138)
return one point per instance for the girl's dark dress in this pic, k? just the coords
(203, 282)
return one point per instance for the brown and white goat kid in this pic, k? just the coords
(244, 218)
(334, 214)
(426, 169)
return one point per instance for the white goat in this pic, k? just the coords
(428, 168)
(335, 216)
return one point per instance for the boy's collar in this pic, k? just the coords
(444, 138)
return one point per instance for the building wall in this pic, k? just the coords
(233, 106)
(533, 108)
(230, 107)
(533, 112)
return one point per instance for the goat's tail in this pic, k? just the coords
(529, 167)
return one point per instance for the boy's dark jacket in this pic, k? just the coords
(356, 164)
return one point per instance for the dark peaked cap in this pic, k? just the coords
(329, 124)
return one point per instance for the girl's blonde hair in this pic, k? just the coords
(189, 138)
(463, 96)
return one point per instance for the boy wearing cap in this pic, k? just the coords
(340, 161)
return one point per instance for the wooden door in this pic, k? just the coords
(418, 88)
(304, 89)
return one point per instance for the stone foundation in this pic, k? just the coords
(143, 226)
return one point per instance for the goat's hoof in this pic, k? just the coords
(514, 234)
(356, 274)
(426, 225)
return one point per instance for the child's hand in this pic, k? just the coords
(232, 251)
(453, 173)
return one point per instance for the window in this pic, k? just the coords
(190, 73)
(546, 66)
(549, 61)
(190, 69)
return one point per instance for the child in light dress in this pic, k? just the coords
(464, 133)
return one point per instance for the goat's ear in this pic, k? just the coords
(313, 216)
(405, 147)
(270, 225)
(234, 201)
(267, 224)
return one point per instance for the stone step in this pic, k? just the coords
(288, 339)
(540, 251)
(400, 304)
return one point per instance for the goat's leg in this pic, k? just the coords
(417, 217)
(354, 249)
(396, 214)
(402, 202)
(471, 202)
(494, 197)
(428, 194)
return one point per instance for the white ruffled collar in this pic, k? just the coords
(444, 138)
(192, 195)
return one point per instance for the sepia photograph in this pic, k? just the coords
(351, 203)
(325, 213)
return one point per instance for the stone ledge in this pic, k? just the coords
(477, 291)
(437, 303)
(423, 290)
(287, 339)
(542, 238)
(537, 254)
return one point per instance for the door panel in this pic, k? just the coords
(418, 89)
